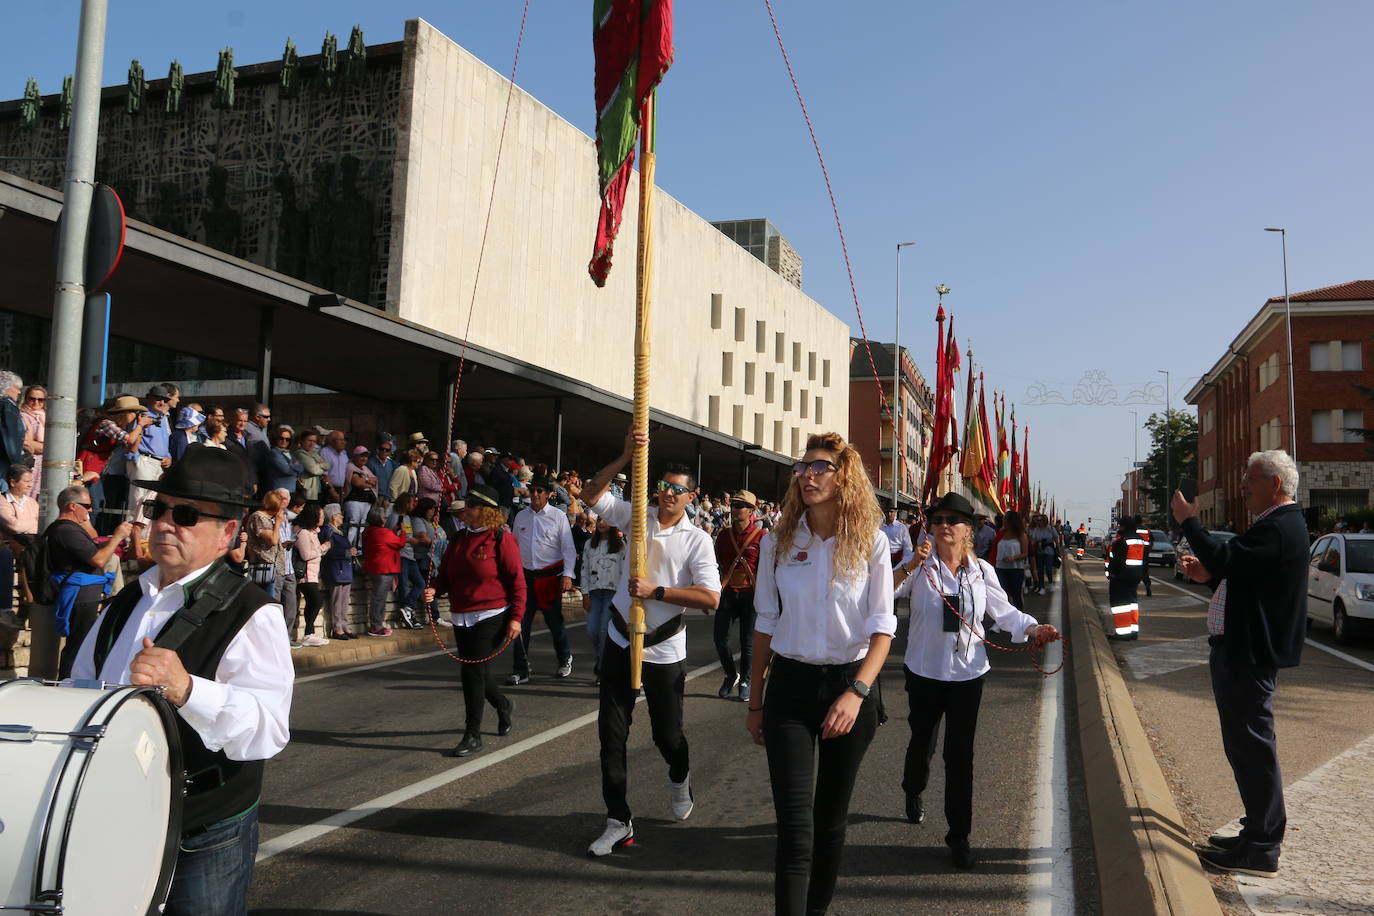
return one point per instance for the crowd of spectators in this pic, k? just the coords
(333, 510)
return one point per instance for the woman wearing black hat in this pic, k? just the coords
(951, 589)
(485, 583)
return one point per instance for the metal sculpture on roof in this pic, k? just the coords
(64, 105)
(138, 86)
(289, 78)
(329, 60)
(355, 59)
(30, 104)
(224, 80)
(176, 83)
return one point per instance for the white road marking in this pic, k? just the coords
(400, 660)
(1153, 659)
(294, 838)
(1050, 884)
(1330, 650)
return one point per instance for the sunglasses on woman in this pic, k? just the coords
(819, 466)
(184, 515)
(676, 489)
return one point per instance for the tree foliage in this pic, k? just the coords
(1173, 436)
(1366, 434)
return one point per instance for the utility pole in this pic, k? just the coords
(69, 301)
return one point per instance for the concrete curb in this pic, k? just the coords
(364, 649)
(1146, 863)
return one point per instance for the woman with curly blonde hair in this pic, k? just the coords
(824, 626)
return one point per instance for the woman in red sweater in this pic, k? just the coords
(482, 576)
(381, 563)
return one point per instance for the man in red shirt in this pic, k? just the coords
(737, 554)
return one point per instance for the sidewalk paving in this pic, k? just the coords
(1325, 721)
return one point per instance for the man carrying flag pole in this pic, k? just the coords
(633, 45)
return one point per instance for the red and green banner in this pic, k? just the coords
(633, 44)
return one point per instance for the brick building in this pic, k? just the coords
(869, 430)
(1242, 402)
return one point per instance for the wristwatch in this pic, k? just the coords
(860, 688)
(658, 593)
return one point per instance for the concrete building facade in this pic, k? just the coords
(1243, 406)
(371, 189)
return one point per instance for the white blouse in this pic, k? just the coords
(824, 619)
(941, 656)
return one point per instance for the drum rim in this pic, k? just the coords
(172, 845)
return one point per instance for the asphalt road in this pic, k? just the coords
(506, 831)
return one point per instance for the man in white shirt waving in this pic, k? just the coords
(549, 557)
(681, 574)
(217, 644)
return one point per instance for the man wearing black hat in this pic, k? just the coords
(217, 645)
(549, 557)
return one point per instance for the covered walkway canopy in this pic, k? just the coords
(184, 296)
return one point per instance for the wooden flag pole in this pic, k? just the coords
(639, 499)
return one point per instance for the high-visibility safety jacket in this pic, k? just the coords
(1126, 555)
(1136, 547)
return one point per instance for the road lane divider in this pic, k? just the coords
(1050, 882)
(301, 835)
(1146, 864)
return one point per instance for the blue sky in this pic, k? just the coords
(1091, 179)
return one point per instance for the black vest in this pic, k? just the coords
(217, 788)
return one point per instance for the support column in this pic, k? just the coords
(698, 447)
(267, 322)
(558, 434)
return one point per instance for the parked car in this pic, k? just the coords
(1340, 583)
(1161, 550)
(1184, 549)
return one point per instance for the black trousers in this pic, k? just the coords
(957, 703)
(314, 600)
(116, 488)
(480, 685)
(663, 685)
(1245, 706)
(735, 605)
(553, 619)
(85, 612)
(810, 799)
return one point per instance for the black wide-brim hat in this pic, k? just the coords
(483, 495)
(209, 474)
(952, 502)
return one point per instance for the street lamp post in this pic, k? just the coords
(1168, 442)
(1288, 325)
(1135, 438)
(896, 406)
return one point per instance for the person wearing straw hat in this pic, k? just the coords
(737, 553)
(482, 576)
(217, 646)
(951, 589)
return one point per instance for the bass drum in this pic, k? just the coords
(92, 785)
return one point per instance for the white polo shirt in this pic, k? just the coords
(545, 538)
(678, 557)
(825, 619)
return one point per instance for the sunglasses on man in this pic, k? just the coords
(184, 515)
(675, 489)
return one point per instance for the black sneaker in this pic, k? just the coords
(727, 686)
(915, 809)
(961, 854)
(1242, 859)
(470, 744)
(503, 725)
(1223, 841)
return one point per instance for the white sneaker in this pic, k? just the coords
(616, 834)
(313, 640)
(681, 797)
(565, 668)
(444, 623)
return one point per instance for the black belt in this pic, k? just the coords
(848, 670)
(1214, 640)
(661, 633)
(555, 570)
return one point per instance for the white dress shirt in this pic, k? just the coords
(545, 538)
(933, 653)
(677, 557)
(245, 711)
(825, 619)
(898, 538)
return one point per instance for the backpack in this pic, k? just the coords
(38, 571)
